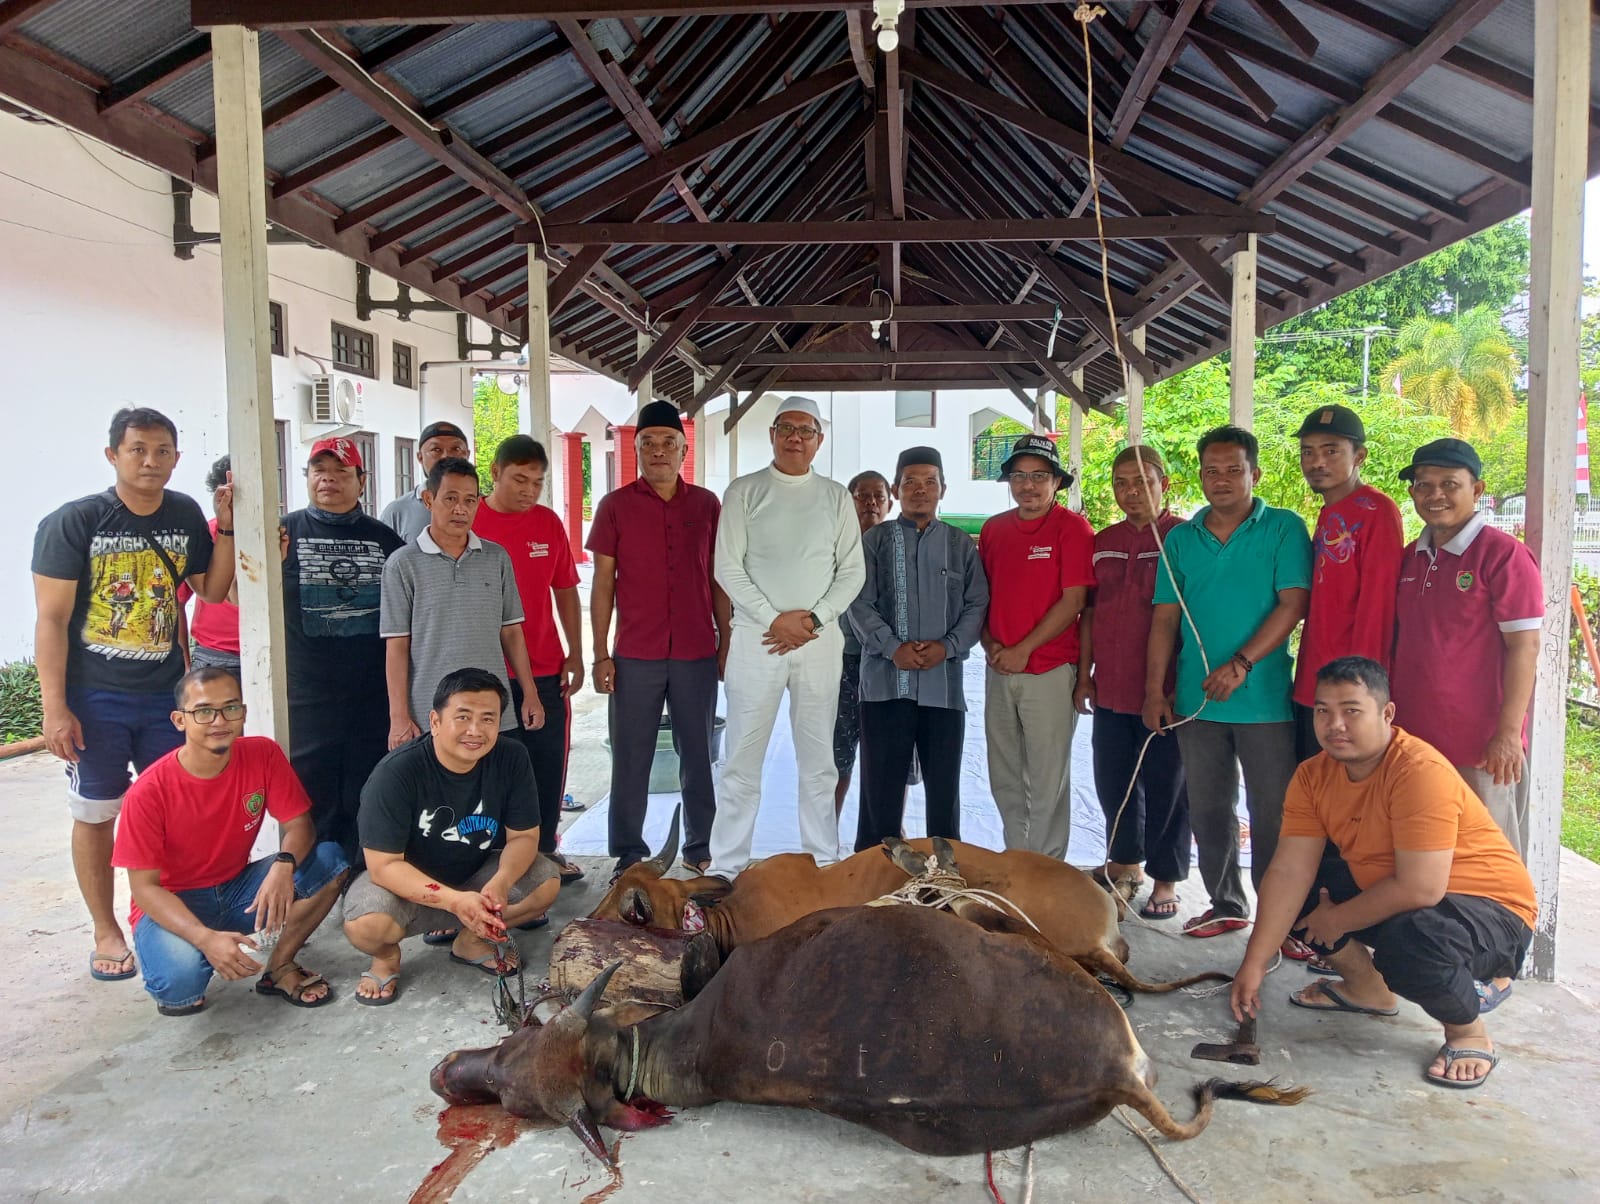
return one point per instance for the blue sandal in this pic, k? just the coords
(125, 960)
(1490, 996)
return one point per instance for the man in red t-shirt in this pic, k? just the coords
(542, 560)
(200, 905)
(1039, 559)
(1355, 560)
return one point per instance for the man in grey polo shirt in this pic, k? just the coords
(407, 515)
(450, 602)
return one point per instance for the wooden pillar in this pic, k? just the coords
(539, 350)
(246, 345)
(1242, 338)
(627, 455)
(1041, 400)
(1075, 454)
(1136, 384)
(1560, 155)
(572, 475)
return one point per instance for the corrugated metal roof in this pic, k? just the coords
(1358, 213)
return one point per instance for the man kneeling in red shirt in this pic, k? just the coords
(200, 905)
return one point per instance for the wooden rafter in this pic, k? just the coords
(158, 73)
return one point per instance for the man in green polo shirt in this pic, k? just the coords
(1244, 571)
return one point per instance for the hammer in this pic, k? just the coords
(1241, 1051)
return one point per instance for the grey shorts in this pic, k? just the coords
(365, 897)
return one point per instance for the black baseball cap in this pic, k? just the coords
(1333, 420)
(434, 429)
(1036, 445)
(1444, 453)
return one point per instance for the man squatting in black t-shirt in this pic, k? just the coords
(449, 826)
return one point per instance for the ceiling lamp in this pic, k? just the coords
(888, 16)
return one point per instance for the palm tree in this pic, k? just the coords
(1462, 367)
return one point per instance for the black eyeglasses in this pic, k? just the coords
(787, 430)
(204, 715)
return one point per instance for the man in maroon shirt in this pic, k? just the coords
(1152, 830)
(652, 541)
(1355, 560)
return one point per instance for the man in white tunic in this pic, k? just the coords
(789, 557)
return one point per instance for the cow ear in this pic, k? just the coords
(582, 1123)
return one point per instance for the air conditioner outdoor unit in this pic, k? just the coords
(337, 398)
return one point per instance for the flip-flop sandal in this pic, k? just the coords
(568, 803)
(1320, 965)
(441, 936)
(1163, 910)
(297, 994)
(125, 960)
(380, 1000)
(1208, 924)
(1490, 996)
(1452, 1055)
(569, 872)
(1340, 1003)
(1297, 950)
(486, 963)
(188, 1009)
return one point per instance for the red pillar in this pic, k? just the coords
(688, 456)
(627, 456)
(572, 479)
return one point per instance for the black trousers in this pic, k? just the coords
(333, 746)
(1431, 956)
(1306, 745)
(1154, 828)
(689, 691)
(890, 733)
(547, 749)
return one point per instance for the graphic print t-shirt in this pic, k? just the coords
(123, 630)
(446, 824)
(332, 581)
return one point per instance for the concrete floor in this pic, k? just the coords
(252, 1100)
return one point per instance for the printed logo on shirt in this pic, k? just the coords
(255, 803)
(1464, 581)
(537, 549)
(466, 830)
(133, 610)
(1335, 543)
(340, 582)
(1041, 551)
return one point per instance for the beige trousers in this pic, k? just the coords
(1028, 720)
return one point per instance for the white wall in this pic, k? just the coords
(99, 314)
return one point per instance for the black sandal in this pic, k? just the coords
(297, 994)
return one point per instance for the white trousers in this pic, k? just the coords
(755, 683)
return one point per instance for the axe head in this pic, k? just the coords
(1242, 1051)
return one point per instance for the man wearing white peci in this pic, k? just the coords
(789, 558)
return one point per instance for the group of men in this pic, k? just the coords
(794, 585)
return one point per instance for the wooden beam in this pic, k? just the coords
(1277, 13)
(811, 233)
(247, 364)
(297, 14)
(336, 161)
(1240, 80)
(14, 12)
(1385, 84)
(977, 312)
(158, 73)
(1159, 52)
(882, 356)
(1562, 31)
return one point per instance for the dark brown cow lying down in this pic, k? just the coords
(1072, 912)
(947, 1037)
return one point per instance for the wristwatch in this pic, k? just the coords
(816, 623)
(286, 857)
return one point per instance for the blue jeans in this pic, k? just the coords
(175, 972)
(119, 729)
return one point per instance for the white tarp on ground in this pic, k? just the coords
(777, 830)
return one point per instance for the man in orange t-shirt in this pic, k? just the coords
(1384, 846)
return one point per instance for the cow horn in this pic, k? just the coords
(583, 1005)
(662, 861)
(582, 1123)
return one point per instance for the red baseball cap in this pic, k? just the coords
(343, 450)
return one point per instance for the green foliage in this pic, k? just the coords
(21, 712)
(1181, 409)
(1462, 367)
(494, 419)
(1580, 675)
(588, 481)
(1505, 454)
(1489, 269)
(993, 445)
(1580, 807)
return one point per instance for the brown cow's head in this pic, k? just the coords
(642, 896)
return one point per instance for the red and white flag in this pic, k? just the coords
(1583, 444)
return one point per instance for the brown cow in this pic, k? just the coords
(941, 1034)
(1071, 911)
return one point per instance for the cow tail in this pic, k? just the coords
(1102, 962)
(1149, 1105)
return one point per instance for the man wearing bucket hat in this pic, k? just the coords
(1039, 559)
(789, 558)
(1468, 612)
(333, 558)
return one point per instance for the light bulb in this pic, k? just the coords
(877, 327)
(888, 39)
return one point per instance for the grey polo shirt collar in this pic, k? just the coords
(428, 544)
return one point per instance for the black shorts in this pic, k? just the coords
(847, 724)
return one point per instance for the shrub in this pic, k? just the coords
(21, 712)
